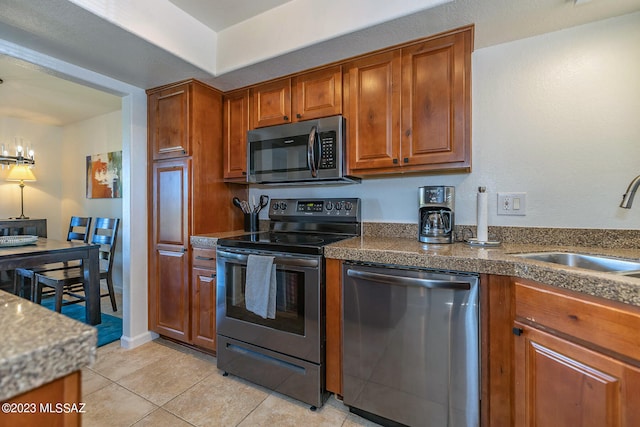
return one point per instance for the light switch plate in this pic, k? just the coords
(512, 204)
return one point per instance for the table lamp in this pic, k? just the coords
(22, 173)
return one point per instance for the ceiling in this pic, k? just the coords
(71, 33)
(30, 94)
(221, 14)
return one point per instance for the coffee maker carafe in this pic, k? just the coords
(436, 214)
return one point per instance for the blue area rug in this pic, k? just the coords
(108, 331)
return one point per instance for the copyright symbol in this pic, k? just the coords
(6, 407)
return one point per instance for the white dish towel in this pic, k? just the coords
(260, 291)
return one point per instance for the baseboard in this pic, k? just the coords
(133, 342)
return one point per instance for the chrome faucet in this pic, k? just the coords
(627, 199)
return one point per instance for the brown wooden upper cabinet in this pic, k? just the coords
(409, 109)
(235, 127)
(169, 122)
(306, 96)
(372, 110)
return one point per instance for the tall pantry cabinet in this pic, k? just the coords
(187, 197)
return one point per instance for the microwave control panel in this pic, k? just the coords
(328, 150)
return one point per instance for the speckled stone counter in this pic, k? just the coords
(397, 244)
(499, 260)
(38, 345)
(209, 241)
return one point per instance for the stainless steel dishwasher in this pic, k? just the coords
(411, 345)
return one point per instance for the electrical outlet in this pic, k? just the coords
(512, 203)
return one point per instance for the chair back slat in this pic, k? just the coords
(79, 229)
(105, 233)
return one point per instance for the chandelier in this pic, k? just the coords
(24, 154)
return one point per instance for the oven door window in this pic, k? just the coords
(290, 299)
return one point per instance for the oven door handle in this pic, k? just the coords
(295, 262)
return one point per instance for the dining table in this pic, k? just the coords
(46, 251)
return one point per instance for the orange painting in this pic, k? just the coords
(103, 175)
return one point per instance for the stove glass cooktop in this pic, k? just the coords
(283, 242)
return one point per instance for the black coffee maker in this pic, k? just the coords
(436, 205)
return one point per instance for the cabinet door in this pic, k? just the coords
(65, 390)
(169, 122)
(203, 308)
(436, 97)
(236, 125)
(372, 107)
(318, 94)
(271, 104)
(168, 263)
(560, 383)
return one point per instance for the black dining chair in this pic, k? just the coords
(70, 281)
(79, 230)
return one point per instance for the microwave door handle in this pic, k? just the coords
(311, 158)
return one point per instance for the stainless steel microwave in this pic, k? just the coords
(307, 152)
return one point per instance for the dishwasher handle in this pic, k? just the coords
(409, 281)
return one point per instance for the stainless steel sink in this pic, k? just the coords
(628, 267)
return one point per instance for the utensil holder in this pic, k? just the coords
(251, 222)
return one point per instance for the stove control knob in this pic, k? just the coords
(338, 205)
(329, 206)
(276, 206)
(283, 206)
(348, 206)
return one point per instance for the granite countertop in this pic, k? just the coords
(210, 240)
(406, 250)
(39, 345)
(499, 260)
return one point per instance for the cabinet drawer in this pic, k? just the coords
(606, 324)
(204, 258)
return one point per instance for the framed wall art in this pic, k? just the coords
(103, 175)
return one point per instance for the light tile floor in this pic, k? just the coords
(164, 384)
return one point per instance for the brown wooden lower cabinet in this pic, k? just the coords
(496, 351)
(170, 298)
(561, 383)
(576, 359)
(57, 403)
(203, 298)
(333, 356)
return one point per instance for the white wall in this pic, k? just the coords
(134, 191)
(60, 171)
(101, 134)
(556, 116)
(41, 195)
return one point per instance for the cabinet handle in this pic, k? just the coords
(406, 160)
(244, 172)
(299, 115)
(395, 161)
(204, 258)
(517, 331)
(286, 118)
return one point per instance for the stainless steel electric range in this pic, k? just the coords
(285, 352)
